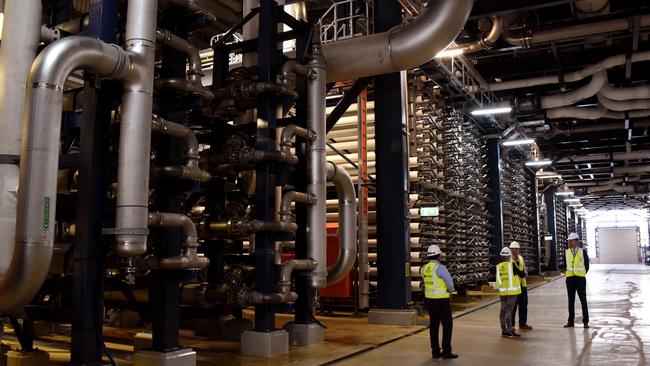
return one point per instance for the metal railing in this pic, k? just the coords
(345, 19)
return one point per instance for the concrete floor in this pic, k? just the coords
(619, 304)
(619, 299)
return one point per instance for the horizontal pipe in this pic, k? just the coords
(615, 156)
(294, 197)
(634, 92)
(593, 113)
(569, 98)
(189, 259)
(401, 48)
(623, 105)
(484, 43)
(183, 86)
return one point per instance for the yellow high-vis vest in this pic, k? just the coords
(575, 265)
(507, 282)
(434, 286)
(521, 266)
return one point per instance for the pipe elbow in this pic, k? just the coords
(26, 273)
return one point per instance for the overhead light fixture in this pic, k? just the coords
(491, 111)
(539, 162)
(2, 19)
(569, 200)
(518, 142)
(564, 193)
(552, 176)
(450, 52)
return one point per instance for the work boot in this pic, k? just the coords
(507, 335)
(568, 325)
(436, 355)
(512, 333)
(525, 327)
(449, 356)
(586, 325)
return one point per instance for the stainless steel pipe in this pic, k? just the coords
(131, 218)
(347, 223)
(190, 259)
(195, 70)
(485, 43)
(401, 48)
(316, 161)
(39, 158)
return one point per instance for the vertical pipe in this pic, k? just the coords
(549, 197)
(363, 283)
(495, 207)
(316, 169)
(535, 223)
(135, 133)
(20, 37)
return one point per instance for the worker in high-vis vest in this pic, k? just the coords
(522, 301)
(509, 284)
(577, 266)
(438, 286)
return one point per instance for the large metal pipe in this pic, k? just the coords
(39, 158)
(195, 70)
(569, 98)
(605, 64)
(575, 31)
(316, 162)
(401, 48)
(347, 223)
(22, 20)
(131, 217)
(485, 43)
(623, 105)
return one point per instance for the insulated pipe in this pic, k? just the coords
(400, 48)
(623, 105)
(189, 259)
(613, 126)
(616, 156)
(191, 168)
(39, 159)
(484, 43)
(605, 64)
(592, 113)
(569, 98)
(316, 165)
(576, 31)
(347, 223)
(195, 71)
(131, 216)
(635, 92)
(20, 36)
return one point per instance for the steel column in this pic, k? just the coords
(551, 223)
(535, 222)
(265, 272)
(495, 207)
(89, 252)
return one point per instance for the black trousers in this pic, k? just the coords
(439, 313)
(522, 305)
(577, 284)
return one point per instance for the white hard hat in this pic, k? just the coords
(505, 252)
(515, 245)
(573, 236)
(433, 250)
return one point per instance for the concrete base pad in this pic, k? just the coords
(183, 357)
(223, 328)
(265, 344)
(405, 317)
(34, 358)
(4, 348)
(142, 341)
(305, 334)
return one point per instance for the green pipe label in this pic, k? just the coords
(46, 213)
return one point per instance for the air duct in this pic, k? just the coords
(635, 92)
(347, 216)
(623, 105)
(589, 90)
(401, 48)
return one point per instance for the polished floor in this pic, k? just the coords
(619, 302)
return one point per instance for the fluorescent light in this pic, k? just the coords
(538, 162)
(2, 19)
(491, 111)
(450, 52)
(568, 200)
(564, 193)
(552, 176)
(518, 142)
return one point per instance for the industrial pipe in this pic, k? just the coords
(613, 126)
(605, 64)
(401, 48)
(196, 6)
(575, 31)
(316, 161)
(131, 217)
(347, 223)
(191, 168)
(291, 131)
(569, 98)
(184, 86)
(635, 92)
(592, 113)
(615, 156)
(289, 198)
(284, 293)
(485, 43)
(623, 105)
(289, 71)
(22, 19)
(195, 70)
(190, 259)
(39, 158)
